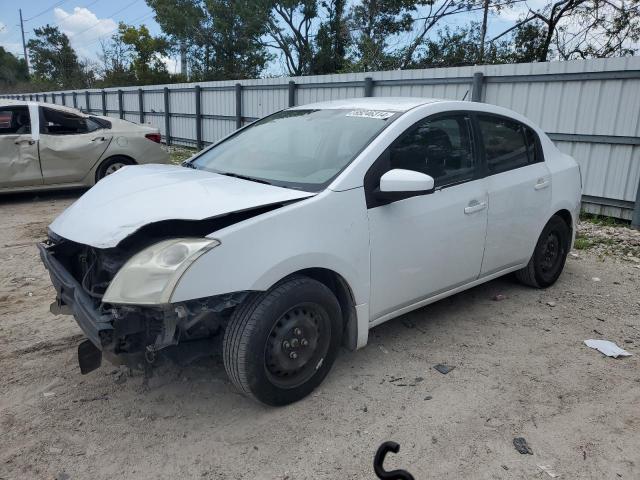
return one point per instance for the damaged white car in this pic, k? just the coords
(45, 146)
(300, 232)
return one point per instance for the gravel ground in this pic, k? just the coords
(521, 370)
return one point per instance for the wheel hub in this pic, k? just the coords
(293, 344)
(550, 252)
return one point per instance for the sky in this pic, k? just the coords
(87, 22)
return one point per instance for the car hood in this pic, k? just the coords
(135, 196)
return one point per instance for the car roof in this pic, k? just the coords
(24, 103)
(393, 104)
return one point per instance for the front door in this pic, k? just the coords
(19, 163)
(427, 244)
(70, 145)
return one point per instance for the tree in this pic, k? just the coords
(374, 21)
(53, 60)
(145, 54)
(220, 37)
(332, 40)
(12, 69)
(114, 68)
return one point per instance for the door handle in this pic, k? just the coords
(102, 139)
(30, 142)
(474, 206)
(542, 183)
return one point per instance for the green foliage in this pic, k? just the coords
(145, 52)
(12, 69)
(54, 62)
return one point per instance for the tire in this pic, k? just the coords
(269, 327)
(111, 165)
(549, 256)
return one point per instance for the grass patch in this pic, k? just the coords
(603, 221)
(582, 243)
(177, 155)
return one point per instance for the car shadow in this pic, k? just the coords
(37, 196)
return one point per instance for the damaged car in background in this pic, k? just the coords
(300, 232)
(45, 146)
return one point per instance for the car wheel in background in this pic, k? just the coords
(280, 344)
(112, 165)
(549, 256)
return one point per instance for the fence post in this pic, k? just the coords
(368, 87)
(44, 98)
(74, 95)
(141, 104)
(238, 106)
(37, 99)
(63, 98)
(53, 98)
(292, 93)
(477, 86)
(635, 218)
(198, 99)
(104, 103)
(120, 107)
(167, 117)
(87, 101)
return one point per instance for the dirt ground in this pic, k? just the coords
(521, 370)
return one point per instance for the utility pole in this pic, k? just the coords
(24, 45)
(183, 61)
(483, 31)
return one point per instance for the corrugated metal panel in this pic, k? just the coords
(586, 104)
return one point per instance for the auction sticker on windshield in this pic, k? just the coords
(379, 114)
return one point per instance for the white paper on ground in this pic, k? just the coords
(610, 349)
(549, 471)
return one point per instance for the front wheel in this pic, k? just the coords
(280, 344)
(549, 256)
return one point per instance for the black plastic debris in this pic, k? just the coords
(522, 446)
(443, 369)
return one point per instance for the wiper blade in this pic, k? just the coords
(245, 177)
(188, 165)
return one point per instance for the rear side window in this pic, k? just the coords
(15, 120)
(507, 144)
(58, 122)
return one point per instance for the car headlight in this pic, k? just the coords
(149, 277)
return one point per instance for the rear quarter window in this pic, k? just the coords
(507, 144)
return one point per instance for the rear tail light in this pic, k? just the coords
(154, 137)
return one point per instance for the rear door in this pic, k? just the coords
(519, 187)
(70, 145)
(19, 164)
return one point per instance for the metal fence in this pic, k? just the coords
(590, 108)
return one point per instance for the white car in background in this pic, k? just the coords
(303, 230)
(45, 146)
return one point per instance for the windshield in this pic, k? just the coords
(303, 149)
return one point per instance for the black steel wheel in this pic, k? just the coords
(549, 256)
(280, 344)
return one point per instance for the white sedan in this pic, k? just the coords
(305, 229)
(45, 146)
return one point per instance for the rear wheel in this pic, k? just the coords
(549, 256)
(112, 165)
(280, 344)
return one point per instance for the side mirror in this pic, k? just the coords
(398, 184)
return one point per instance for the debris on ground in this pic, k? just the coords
(443, 369)
(595, 279)
(551, 304)
(610, 349)
(522, 446)
(549, 471)
(499, 297)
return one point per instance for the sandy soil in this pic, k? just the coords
(521, 370)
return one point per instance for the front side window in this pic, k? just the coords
(303, 149)
(440, 147)
(15, 121)
(505, 144)
(59, 122)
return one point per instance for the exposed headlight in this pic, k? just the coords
(150, 276)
